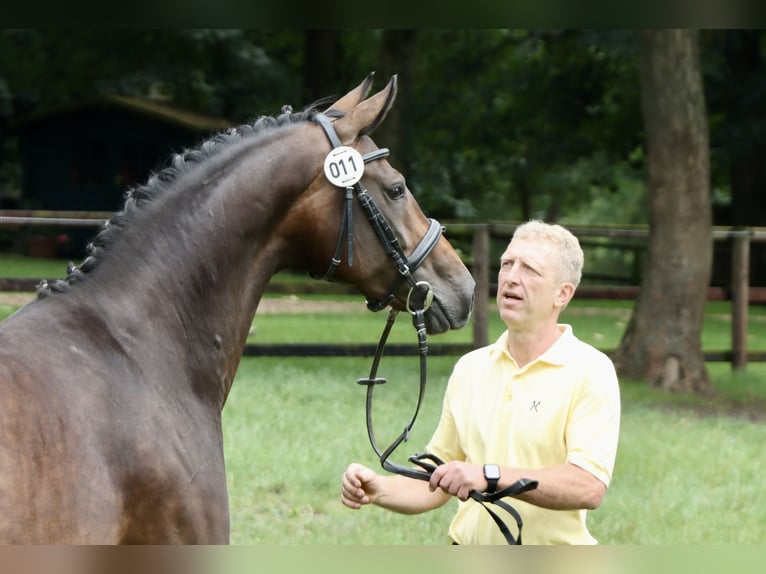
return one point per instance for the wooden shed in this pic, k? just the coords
(83, 157)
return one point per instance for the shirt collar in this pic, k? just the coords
(557, 354)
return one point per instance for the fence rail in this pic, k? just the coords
(739, 292)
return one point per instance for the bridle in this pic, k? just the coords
(388, 239)
(419, 299)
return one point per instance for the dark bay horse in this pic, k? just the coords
(113, 381)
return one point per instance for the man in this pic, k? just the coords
(537, 404)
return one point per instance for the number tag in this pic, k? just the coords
(344, 166)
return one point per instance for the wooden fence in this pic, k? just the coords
(480, 237)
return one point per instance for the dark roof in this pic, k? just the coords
(155, 110)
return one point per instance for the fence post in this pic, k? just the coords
(481, 276)
(740, 298)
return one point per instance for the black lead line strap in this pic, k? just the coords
(426, 461)
(485, 498)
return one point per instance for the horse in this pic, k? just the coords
(113, 380)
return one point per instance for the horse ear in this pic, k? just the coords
(355, 96)
(367, 115)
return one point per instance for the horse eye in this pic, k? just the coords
(396, 192)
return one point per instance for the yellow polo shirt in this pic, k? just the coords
(562, 407)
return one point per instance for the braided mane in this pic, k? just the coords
(138, 197)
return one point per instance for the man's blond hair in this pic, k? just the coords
(571, 257)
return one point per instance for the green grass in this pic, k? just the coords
(291, 427)
(682, 478)
(14, 265)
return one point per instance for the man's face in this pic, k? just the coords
(528, 284)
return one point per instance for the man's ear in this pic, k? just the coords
(564, 295)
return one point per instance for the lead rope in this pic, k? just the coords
(429, 462)
(372, 380)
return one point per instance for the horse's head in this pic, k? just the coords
(372, 233)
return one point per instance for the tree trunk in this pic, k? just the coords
(322, 51)
(662, 343)
(397, 56)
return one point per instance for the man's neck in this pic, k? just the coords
(526, 346)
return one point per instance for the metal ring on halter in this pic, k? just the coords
(428, 298)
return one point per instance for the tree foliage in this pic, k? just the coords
(525, 123)
(229, 73)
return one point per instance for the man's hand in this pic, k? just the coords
(359, 486)
(458, 479)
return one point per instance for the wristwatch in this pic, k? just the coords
(492, 475)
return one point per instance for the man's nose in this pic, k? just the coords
(510, 274)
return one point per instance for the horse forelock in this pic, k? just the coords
(179, 164)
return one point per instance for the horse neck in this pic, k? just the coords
(196, 276)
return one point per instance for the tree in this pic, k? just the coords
(514, 124)
(662, 343)
(397, 56)
(321, 52)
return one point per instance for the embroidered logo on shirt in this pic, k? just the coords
(535, 405)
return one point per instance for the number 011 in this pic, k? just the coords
(344, 166)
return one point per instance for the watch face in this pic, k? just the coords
(491, 471)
